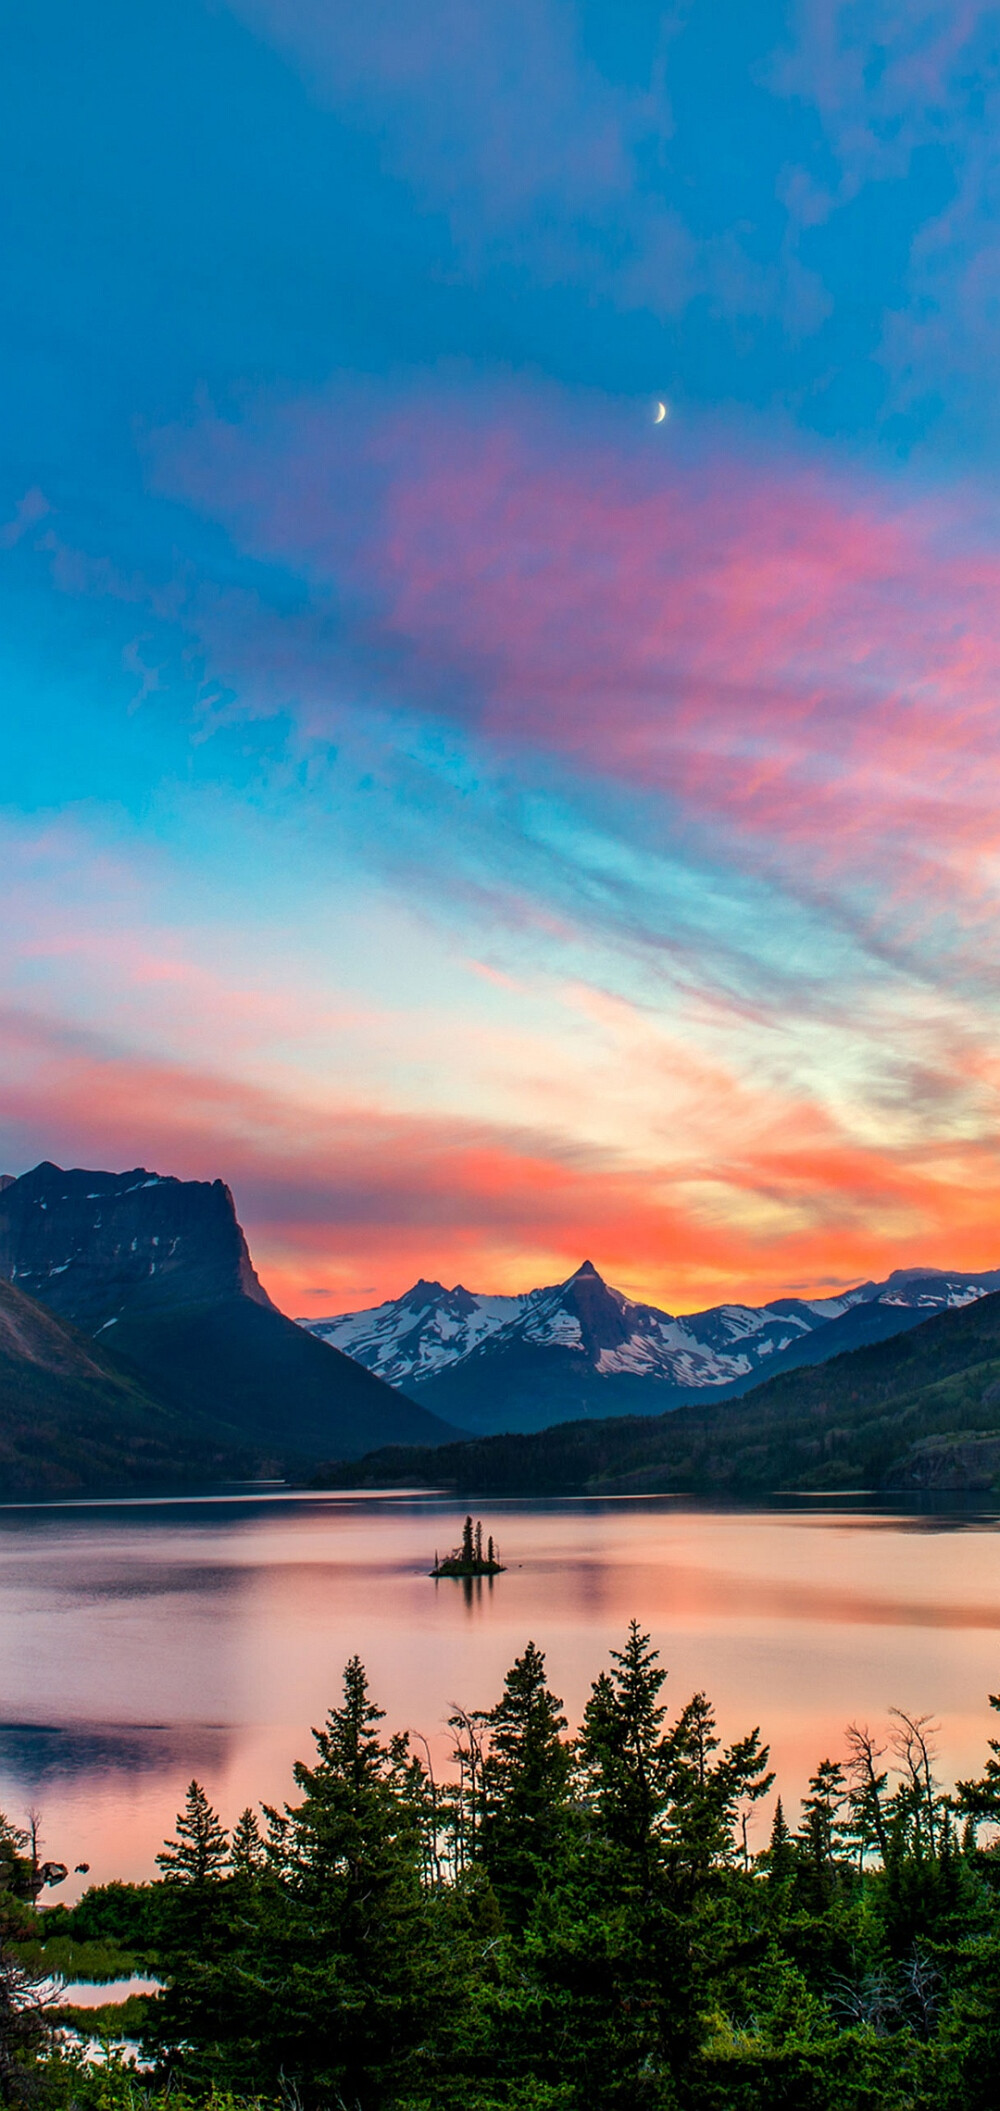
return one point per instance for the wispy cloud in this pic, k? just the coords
(805, 659)
(497, 118)
(692, 1160)
(900, 88)
(542, 831)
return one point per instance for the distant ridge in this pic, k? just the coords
(582, 1348)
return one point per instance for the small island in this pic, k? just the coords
(469, 1559)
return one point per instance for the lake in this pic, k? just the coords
(143, 1642)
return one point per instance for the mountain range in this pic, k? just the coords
(581, 1348)
(132, 1298)
(139, 1349)
(917, 1414)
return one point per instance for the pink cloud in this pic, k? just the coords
(809, 661)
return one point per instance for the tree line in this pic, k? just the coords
(576, 1923)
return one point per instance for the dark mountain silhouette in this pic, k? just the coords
(278, 1386)
(157, 1271)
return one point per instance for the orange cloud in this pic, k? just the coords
(359, 1198)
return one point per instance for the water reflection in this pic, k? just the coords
(33, 1755)
(472, 1588)
(144, 1642)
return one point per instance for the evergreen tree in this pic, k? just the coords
(343, 1971)
(821, 1833)
(780, 1856)
(623, 1957)
(247, 1853)
(525, 1786)
(744, 1778)
(200, 1851)
(980, 1799)
(621, 1747)
(15, 1864)
(468, 1544)
(706, 1794)
(696, 1837)
(619, 1958)
(25, 2027)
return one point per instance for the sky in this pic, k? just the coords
(485, 821)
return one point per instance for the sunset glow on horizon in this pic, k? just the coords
(486, 823)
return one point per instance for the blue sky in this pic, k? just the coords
(484, 824)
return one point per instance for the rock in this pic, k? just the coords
(967, 1463)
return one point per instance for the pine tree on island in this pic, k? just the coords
(469, 1559)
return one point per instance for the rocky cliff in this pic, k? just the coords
(95, 1247)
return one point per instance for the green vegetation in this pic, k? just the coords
(920, 1412)
(471, 1558)
(75, 1415)
(584, 1923)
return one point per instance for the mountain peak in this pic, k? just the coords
(586, 1268)
(422, 1293)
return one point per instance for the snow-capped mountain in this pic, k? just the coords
(415, 1336)
(581, 1347)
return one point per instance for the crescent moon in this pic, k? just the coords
(659, 414)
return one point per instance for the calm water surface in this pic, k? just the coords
(144, 1642)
